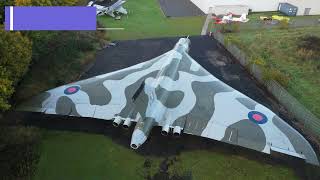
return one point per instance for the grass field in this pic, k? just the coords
(279, 49)
(146, 20)
(295, 21)
(67, 155)
(255, 24)
(255, 17)
(70, 155)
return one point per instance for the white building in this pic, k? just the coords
(305, 7)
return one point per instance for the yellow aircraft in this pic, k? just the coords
(280, 18)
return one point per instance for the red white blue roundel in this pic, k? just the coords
(71, 90)
(257, 117)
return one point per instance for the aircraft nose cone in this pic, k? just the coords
(138, 138)
(183, 45)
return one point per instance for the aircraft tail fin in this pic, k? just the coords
(90, 3)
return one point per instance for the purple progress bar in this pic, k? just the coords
(50, 18)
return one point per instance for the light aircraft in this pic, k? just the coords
(176, 93)
(229, 19)
(275, 17)
(110, 10)
(280, 18)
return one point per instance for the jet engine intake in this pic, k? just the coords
(165, 130)
(117, 121)
(177, 131)
(127, 123)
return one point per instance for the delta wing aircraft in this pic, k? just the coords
(110, 10)
(173, 91)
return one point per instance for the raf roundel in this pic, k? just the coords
(257, 117)
(71, 90)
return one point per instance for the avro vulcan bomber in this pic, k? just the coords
(174, 92)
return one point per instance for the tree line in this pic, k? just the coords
(22, 54)
(19, 50)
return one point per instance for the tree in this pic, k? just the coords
(43, 43)
(41, 3)
(15, 57)
(64, 2)
(2, 5)
(23, 2)
(6, 91)
(45, 2)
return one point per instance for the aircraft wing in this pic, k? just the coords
(212, 109)
(102, 97)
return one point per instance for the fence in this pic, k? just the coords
(296, 109)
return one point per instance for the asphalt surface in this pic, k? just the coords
(179, 8)
(105, 2)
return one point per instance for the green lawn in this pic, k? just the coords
(207, 165)
(278, 48)
(146, 20)
(70, 155)
(255, 17)
(256, 24)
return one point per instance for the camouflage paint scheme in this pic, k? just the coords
(173, 91)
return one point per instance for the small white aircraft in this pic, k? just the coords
(110, 10)
(229, 18)
(242, 18)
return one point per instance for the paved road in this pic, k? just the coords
(179, 8)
